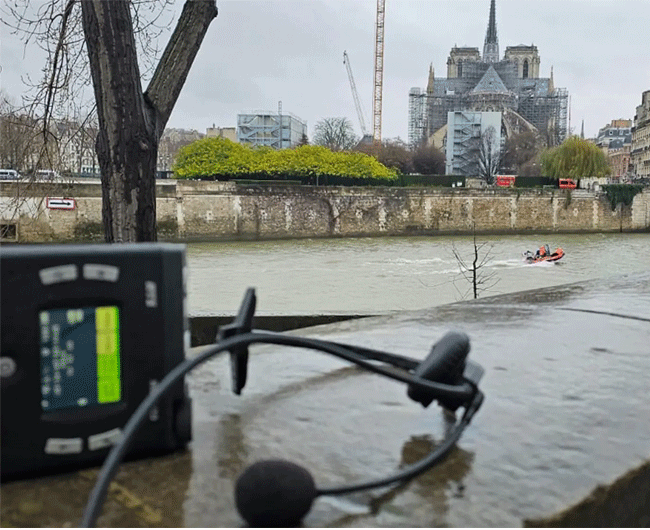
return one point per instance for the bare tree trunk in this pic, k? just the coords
(475, 268)
(130, 121)
(478, 280)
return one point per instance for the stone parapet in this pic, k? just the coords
(199, 210)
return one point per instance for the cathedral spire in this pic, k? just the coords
(431, 82)
(551, 83)
(491, 46)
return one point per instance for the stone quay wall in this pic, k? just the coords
(199, 210)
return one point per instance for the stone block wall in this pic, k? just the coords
(194, 210)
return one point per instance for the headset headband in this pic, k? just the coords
(280, 493)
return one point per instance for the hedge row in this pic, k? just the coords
(223, 159)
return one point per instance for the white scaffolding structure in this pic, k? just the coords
(278, 130)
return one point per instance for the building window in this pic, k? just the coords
(526, 69)
(460, 68)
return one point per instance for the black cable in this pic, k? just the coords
(406, 473)
(114, 458)
(415, 469)
(465, 391)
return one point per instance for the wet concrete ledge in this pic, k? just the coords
(563, 438)
(623, 504)
(204, 328)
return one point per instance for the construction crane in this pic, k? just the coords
(355, 95)
(379, 71)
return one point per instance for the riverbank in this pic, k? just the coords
(217, 211)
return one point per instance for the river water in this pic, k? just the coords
(380, 275)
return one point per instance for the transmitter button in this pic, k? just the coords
(104, 439)
(62, 273)
(7, 367)
(106, 273)
(63, 446)
(150, 294)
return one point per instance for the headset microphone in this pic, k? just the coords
(280, 493)
(274, 493)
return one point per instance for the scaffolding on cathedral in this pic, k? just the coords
(417, 129)
(510, 85)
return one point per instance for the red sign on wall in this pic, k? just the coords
(505, 180)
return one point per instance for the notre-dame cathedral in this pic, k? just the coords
(478, 84)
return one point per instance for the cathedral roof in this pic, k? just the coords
(490, 82)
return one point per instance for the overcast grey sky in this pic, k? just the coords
(260, 52)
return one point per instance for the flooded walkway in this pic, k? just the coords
(565, 411)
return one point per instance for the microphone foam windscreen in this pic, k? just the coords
(274, 493)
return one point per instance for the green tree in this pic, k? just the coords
(575, 158)
(216, 156)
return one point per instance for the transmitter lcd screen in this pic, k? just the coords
(80, 357)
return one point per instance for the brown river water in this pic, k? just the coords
(378, 275)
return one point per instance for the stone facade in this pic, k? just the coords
(615, 135)
(615, 140)
(170, 143)
(619, 161)
(196, 210)
(230, 133)
(640, 153)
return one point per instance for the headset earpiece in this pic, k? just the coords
(444, 364)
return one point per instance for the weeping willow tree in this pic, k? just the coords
(575, 158)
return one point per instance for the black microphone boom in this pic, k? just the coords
(239, 354)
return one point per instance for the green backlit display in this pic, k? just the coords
(80, 357)
(108, 354)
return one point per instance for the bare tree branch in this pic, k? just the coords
(489, 155)
(336, 134)
(474, 274)
(175, 63)
(130, 122)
